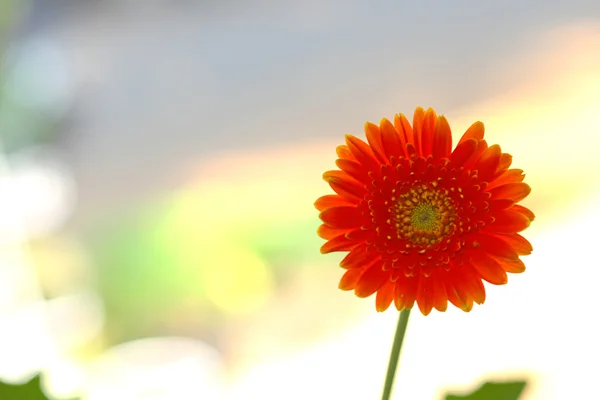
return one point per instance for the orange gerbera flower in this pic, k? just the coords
(422, 222)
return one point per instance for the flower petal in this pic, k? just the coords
(363, 153)
(508, 221)
(394, 142)
(385, 295)
(525, 211)
(481, 147)
(519, 243)
(514, 266)
(342, 217)
(345, 186)
(513, 191)
(327, 232)
(473, 285)
(467, 285)
(331, 200)
(354, 170)
(344, 152)
(339, 243)
(425, 295)
(418, 118)
(406, 291)
(372, 280)
(458, 296)
(496, 247)
(509, 176)
(350, 279)
(427, 132)
(503, 165)
(359, 235)
(500, 204)
(359, 257)
(487, 163)
(440, 297)
(404, 129)
(442, 139)
(475, 131)
(463, 152)
(488, 267)
(375, 141)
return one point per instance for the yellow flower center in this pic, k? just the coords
(424, 216)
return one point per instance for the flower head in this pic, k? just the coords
(420, 222)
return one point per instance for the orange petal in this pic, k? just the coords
(342, 217)
(508, 221)
(460, 286)
(344, 152)
(385, 295)
(375, 141)
(488, 267)
(345, 186)
(411, 150)
(331, 200)
(354, 170)
(513, 191)
(440, 297)
(418, 118)
(504, 164)
(372, 280)
(496, 247)
(393, 141)
(457, 296)
(472, 284)
(525, 211)
(519, 243)
(339, 243)
(463, 286)
(358, 257)
(442, 139)
(350, 279)
(327, 232)
(514, 266)
(463, 152)
(427, 132)
(500, 204)
(359, 235)
(475, 131)
(363, 153)
(425, 295)
(481, 147)
(406, 291)
(487, 163)
(404, 129)
(509, 176)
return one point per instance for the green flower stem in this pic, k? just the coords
(395, 355)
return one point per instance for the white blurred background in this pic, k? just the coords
(158, 164)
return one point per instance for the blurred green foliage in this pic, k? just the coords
(494, 391)
(164, 255)
(27, 391)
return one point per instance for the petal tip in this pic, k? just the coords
(380, 308)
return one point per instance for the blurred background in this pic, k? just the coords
(158, 165)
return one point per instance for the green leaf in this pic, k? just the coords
(494, 391)
(27, 391)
